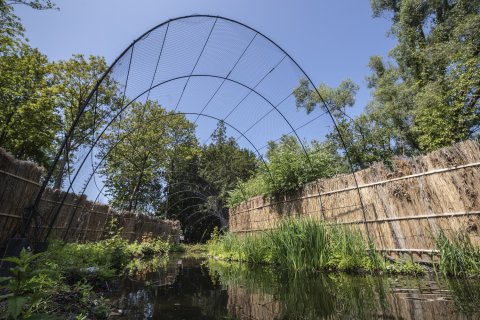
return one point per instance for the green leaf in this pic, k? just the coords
(14, 260)
(16, 305)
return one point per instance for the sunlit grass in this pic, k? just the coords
(458, 256)
(301, 245)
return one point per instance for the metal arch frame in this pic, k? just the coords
(131, 46)
(113, 147)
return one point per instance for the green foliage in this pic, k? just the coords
(215, 235)
(434, 82)
(139, 150)
(458, 256)
(289, 169)
(254, 186)
(223, 163)
(34, 4)
(28, 118)
(107, 258)
(62, 281)
(334, 100)
(72, 81)
(425, 96)
(27, 287)
(301, 245)
(11, 29)
(28, 121)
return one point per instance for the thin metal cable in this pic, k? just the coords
(296, 129)
(248, 94)
(70, 187)
(158, 61)
(196, 63)
(263, 117)
(221, 84)
(254, 87)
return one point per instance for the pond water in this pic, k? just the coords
(197, 288)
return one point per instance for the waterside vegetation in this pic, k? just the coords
(69, 281)
(307, 245)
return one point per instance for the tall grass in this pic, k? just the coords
(301, 245)
(458, 256)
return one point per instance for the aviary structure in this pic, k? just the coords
(207, 68)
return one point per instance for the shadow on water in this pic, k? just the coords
(189, 288)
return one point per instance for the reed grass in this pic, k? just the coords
(302, 245)
(458, 256)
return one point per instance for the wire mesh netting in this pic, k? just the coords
(208, 69)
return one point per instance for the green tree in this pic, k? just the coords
(290, 167)
(359, 137)
(433, 86)
(28, 121)
(336, 99)
(11, 28)
(34, 4)
(73, 80)
(139, 150)
(223, 163)
(425, 96)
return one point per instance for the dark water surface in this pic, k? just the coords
(194, 288)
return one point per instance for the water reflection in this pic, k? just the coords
(194, 289)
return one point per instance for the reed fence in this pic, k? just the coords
(399, 208)
(78, 218)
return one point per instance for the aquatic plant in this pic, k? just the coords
(457, 255)
(301, 245)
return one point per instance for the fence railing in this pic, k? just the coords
(78, 218)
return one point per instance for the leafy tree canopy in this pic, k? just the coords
(432, 87)
(72, 81)
(289, 168)
(28, 119)
(139, 151)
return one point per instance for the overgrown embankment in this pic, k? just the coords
(399, 207)
(72, 280)
(306, 245)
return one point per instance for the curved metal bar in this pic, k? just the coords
(184, 199)
(190, 184)
(258, 94)
(196, 63)
(141, 37)
(195, 213)
(75, 122)
(177, 183)
(190, 227)
(189, 207)
(104, 157)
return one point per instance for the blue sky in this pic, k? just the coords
(331, 40)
